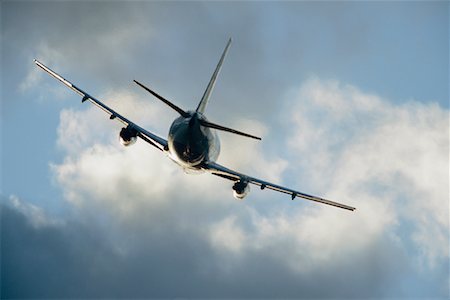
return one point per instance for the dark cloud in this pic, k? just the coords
(50, 261)
(79, 259)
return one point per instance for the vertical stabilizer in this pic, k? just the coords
(202, 105)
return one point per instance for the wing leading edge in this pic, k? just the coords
(224, 172)
(147, 136)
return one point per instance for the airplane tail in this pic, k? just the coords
(204, 102)
(202, 105)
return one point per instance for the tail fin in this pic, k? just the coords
(202, 105)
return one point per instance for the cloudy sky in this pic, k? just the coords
(351, 100)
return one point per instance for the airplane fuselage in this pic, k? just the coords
(190, 144)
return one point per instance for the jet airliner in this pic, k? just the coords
(192, 141)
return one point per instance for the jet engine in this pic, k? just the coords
(241, 189)
(128, 136)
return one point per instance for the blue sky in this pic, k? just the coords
(351, 100)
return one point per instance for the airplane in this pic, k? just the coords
(192, 140)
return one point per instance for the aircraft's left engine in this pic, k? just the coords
(240, 189)
(128, 136)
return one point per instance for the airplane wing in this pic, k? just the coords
(147, 136)
(224, 172)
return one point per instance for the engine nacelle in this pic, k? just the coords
(128, 136)
(240, 189)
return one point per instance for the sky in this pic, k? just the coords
(351, 100)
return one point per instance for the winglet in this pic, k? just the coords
(202, 105)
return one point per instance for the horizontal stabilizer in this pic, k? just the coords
(173, 106)
(219, 127)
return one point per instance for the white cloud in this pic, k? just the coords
(389, 161)
(79, 129)
(226, 235)
(97, 169)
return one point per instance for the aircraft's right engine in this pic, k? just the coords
(128, 136)
(240, 189)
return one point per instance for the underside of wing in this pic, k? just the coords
(130, 132)
(237, 177)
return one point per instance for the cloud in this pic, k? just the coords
(52, 259)
(95, 47)
(35, 215)
(360, 149)
(394, 157)
(225, 235)
(166, 234)
(95, 157)
(134, 225)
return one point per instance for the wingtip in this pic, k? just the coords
(350, 208)
(38, 63)
(142, 86)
